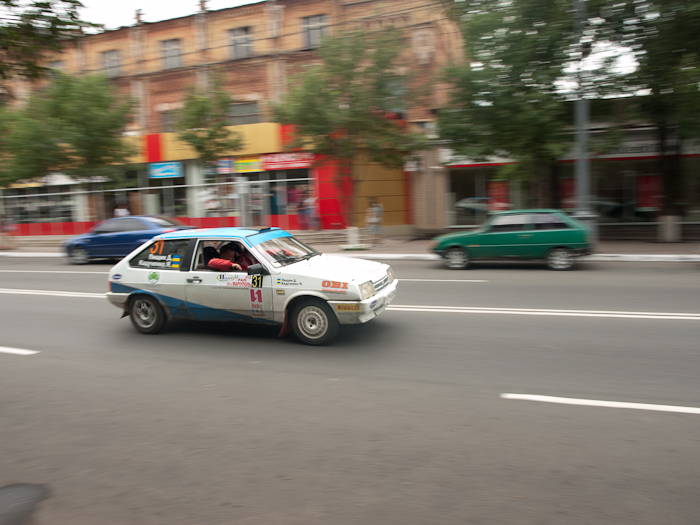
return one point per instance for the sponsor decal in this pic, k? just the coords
(161, 261)
(153, 277)
(279, 292)
(352, 307)
(334, 286)
(116, 276)
(281, 281)
(373, 304)
(232, 280)
(256, 307)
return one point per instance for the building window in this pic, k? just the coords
(246, 113)
(170, 51)
(240, 43)
(314, 29)
(110, 63)
(167, 121)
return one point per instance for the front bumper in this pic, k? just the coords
(357, 312)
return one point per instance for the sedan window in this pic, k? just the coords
(508, 223)
(128, 225)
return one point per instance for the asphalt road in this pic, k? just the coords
(401, 421)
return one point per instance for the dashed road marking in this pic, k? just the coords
(17, 351)
(604, 404)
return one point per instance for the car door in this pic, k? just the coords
(220, 296)
(101, 238)
(506, 236)
(549, 231)
(129, 233)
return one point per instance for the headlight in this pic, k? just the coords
(367, 290)
(390, 273)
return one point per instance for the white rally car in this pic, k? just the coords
(289, 283)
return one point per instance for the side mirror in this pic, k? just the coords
(257, 269)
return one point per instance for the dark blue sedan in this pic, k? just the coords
(118, 237)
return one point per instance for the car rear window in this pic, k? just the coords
(549, 221)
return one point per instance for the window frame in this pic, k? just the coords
(248, 118)
(312, 26)
(111, 62)
(170, 59)
(240, 45)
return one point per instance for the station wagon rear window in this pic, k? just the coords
(164, 255)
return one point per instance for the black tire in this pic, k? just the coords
(79, 256)
(456, 259)
(313, 322)
(146, 314)
(560, 259)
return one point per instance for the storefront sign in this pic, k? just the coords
(287, 161)
(248, 165)
(648, 192)
(224, 166)
(499, 195)
(164, 170)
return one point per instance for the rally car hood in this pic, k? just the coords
(338, 268)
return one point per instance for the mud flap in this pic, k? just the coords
(285, 326)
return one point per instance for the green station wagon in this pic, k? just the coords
(551, 235)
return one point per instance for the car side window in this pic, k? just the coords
(549, 221)
(508, 223)
(109, 226)
(129, 225)
(164, 255)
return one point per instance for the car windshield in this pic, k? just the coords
(285, 250)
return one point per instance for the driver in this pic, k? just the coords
(226, 262)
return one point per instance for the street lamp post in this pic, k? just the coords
(581, 117)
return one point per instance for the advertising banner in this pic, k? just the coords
(499, 195)
(248, 165)
(224, 166)
(287, 161)
(648, 192)
(164, 170)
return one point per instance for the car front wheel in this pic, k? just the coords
(79, 256)
(456, 259)
(146, 314)
(560, 259)
(313, 322)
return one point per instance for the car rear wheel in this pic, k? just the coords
(146, 314)
(560, 259)
(313, 322)
(79, 256)
(456, 259)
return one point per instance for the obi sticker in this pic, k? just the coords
(334, 286)
(351, 307)
(153, 278)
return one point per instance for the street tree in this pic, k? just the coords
(349, 104)
(29, 31)
(663, 36)
(74, 126)
(507, 99)
(203, 123)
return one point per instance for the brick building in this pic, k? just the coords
(255, 49)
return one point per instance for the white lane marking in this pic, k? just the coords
(52, 271)
(17, 351)
(599, 403)
(535, 311)
(55, 293)
(445, 280)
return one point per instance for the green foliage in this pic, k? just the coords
(74, 126)
(202, 123)
(340, 106)
(30, 30)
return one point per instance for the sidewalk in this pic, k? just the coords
(392, 249)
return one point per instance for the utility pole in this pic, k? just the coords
(581, 118)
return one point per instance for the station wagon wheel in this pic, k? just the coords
(313, 322)
(79, 256)
(146, 314)
(456, 259)
(560, 259)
